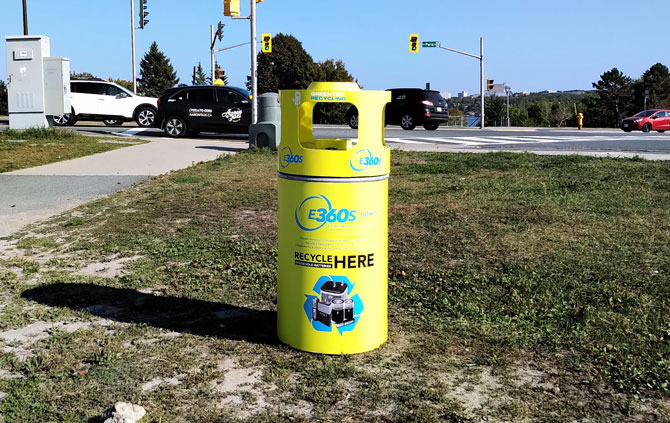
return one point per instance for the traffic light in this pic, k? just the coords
(143, 13)
(489, 84)
(267, 43)
(231, 7)
(219, 31)
(414, 43)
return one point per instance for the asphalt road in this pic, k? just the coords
(597, 142)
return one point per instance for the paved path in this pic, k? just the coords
(30, 195)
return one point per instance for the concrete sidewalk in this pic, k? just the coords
(30, 195)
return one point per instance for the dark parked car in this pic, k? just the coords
(410, 107)
(190, 110)
(648, 120)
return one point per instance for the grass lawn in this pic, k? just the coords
(523, 288)
(36, 147)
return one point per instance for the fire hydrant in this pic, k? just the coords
(580, 120)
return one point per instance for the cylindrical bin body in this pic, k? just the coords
(333, 225)
(268, 108)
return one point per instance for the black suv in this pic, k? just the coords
(190, 110)
(410, 107)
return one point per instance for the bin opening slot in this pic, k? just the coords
(325, 115)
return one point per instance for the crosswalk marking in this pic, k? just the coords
(517, 139)
(132, 132)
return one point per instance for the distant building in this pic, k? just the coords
(446, 96)
(463, 94)
(548, 92)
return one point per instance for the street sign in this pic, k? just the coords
(429, 44)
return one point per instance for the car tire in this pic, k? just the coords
(660, 131)
(431, 126)
(145, 116)
(646, 127)
(113, 122)
(407, 122)
(353, 121)
(66, 119)
(175, 127)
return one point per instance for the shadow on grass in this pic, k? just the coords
(185, 315)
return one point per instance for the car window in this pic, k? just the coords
(400, 97)
(112, 90)
(662, 114)
(180, 96)
(646, 113)
(206, 95)
(225, 96)
(90, 88)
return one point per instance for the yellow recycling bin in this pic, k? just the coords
(333, 225)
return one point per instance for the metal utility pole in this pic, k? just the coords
(25, 18)
(211, 51)
(481, 71)
(481, 77)
(507, 91)
(254, 82)
(132, 36)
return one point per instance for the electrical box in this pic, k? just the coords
(56, 86)
(38, 85)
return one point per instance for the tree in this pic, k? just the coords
(560, 114)
(496, 111)
(289, 66)
(218, 68)
(82, 75)
(199, 77)
(656, 80)
(3, 98)
(540, 113)
(331, 71)
(156, 73)
(615, 91)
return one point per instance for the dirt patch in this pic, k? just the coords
(109, 269)
(18, 341)
(156, 382)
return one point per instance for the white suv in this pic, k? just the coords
(108, 102)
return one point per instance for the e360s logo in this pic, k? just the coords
(287, 157)
(362, 159)
(316, 211)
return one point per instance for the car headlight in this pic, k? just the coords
(637, 120)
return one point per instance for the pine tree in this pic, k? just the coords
(289, 66)
(156, 73)
(199, 76)
(217, 68)
(3, 98)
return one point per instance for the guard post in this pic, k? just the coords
(332, 224)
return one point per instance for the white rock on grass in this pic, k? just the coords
(123, 412)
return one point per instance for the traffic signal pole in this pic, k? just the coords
(481, 77)
(254, 81)
(25, 18)
(211, 51)
(481, 71)
(132, 37)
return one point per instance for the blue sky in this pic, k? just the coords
(531, 45)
